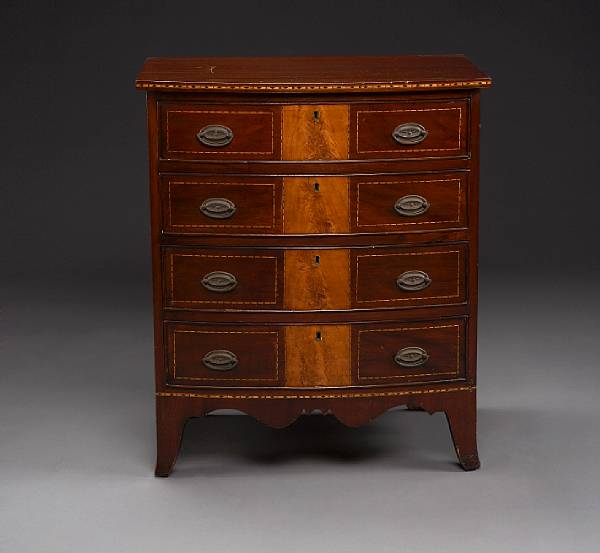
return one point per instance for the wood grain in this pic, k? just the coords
(325, 74)
(375, 273)
(257, 202)
(372, 200)
(257, 348)
(352, 408)
(447, 125)
(317, 279)
(256, 131)
(258, 275)
(315, 205)
(377, 344)
(315, 132)
(317, 355)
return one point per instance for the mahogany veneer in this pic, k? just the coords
(314, 239)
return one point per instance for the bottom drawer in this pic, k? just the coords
(199, 355)
(417, 352)
(306, 356)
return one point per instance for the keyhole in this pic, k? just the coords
(317, 259)
(316, 116)
(316, 186)
(318, 335)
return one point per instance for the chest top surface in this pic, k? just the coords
(327, 74)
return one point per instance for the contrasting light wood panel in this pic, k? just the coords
(317, 355)
(315, 132)
(317, 279)
(315, 205)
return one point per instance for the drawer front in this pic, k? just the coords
(240, 205)
(410, 130)
(394, 277)
(223, 279)
(223, 132)
(408, 203)
(199, 355)
(314, 355)
(314, 279)
(221, 205)
(409, 352)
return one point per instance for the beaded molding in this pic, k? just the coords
(341, 395)
(318, 87)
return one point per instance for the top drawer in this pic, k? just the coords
(415, 129)
(409, 130)
(198, 131)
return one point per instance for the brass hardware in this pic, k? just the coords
(411, 281)
(409, 133)
(220, 360)
(411, 205)
(215, 136)
(318, 336)
(219, 281)
(411, 357)
(218, 208)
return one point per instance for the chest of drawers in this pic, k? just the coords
(314, 239)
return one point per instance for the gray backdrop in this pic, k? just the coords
(76, 420)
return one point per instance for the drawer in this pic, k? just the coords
(300, 279)
(222, 205)
(408, 277)
(202, 355)
(387, 353)
(197, 278)
(315, 355)
(422, 129)
(220, 132)
(397, 203)
(318, 204)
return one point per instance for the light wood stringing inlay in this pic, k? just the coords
(312, 284)
(305, 137)
(316, 205)
(317, 356)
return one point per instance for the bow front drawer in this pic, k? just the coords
(201, 355)
(409, 352)
(394, 277)
(221, 205)
(405, 203)
(223, 279)
(410, 130)
(220, 132)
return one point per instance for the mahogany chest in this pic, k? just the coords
(314, 239)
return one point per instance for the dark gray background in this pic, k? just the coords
(76, 420)
(74, 171)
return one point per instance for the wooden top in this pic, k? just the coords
(311, 74)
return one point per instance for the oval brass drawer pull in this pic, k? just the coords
(411, 205)
(215, 136)
(411, 357)
(409, 133)
(218, 208)
(219, 281)
(220, 360)
(411, 281)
